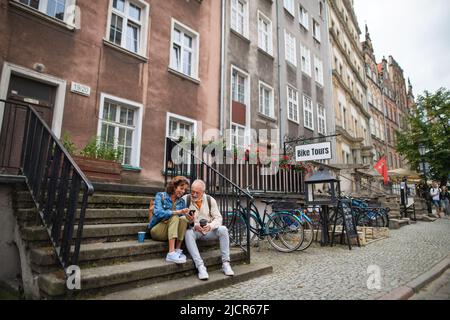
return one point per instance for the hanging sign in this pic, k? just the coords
(310, 152)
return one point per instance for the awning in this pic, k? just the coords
(401, 172)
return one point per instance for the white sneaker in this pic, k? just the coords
(180, 254)
(175, 257)
(202, 273)
(226, 268)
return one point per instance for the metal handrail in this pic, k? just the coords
(53, 178)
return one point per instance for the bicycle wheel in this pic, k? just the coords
(237, 228)
(285, 232)
(308, 235)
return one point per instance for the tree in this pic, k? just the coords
(429, 124)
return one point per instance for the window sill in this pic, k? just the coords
(125, 51)
(240, 35)
(41, 15)
(291, 64)
(305, 29)
(183, 76)
(292, 15)
(309, 128)
(293, 121)
(131, 168)
(266, 117)
(267, 54)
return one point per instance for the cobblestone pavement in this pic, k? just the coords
(439, 289)
(338, 273)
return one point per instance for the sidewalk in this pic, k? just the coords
(337, 273)
(439, 289)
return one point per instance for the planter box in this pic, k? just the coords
(99, 170)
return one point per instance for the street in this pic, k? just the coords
(336, 273)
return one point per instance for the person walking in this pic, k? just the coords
(445, 199)
(435, 193)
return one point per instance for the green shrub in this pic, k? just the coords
(97, 149)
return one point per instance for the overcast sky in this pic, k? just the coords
(416, 33)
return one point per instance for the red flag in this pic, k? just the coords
(381, 167)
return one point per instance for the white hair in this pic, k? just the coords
(200, 183)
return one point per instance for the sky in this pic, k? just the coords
(416, 33)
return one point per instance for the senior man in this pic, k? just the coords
(206, 207)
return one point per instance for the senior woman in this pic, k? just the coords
(171, 218)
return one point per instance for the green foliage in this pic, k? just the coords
(429, 125)
(96, 149)
(68, 143)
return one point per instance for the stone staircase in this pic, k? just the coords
(113, 264)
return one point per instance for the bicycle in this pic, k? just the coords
(283, 230)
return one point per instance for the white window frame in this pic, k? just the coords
(289, 5)
(271, 100)
(316, 31)
(305, 59)
(321, 119)
(234, 23)
(246, 98)
(295, 105)
(179, 118)
(143, 34)
(137, 133)
(318, 70)
(290, 47)
(69, 11)
(233, 134)
(185, 30)
(263, 18)
(308, 111)
(303, 17)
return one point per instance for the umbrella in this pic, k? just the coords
(401, 172)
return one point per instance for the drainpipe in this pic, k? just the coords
(222, 68)
(281, 125)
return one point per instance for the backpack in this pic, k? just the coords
(208, 198)
(152, 207)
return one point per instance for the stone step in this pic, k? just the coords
(101, 279)
(23, 199)
(191, 286)
(93, 216)
(91, 233)
(397, 223)
(110, 252)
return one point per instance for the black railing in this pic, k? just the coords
(229, 196)
(57, 185)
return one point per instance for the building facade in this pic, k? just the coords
(108, 69)
(354, 148)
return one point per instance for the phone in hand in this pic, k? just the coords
(191, 212)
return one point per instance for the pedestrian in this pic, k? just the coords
(207, 226)
(445, 199)
(171, 218)
(435, 193)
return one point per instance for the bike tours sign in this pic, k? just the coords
(313, 152)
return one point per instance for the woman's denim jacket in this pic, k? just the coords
(163, 211)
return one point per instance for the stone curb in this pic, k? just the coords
(408, 290)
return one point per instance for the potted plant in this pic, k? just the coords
(99, 161)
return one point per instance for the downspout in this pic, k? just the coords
(222, 68)
(281, 125)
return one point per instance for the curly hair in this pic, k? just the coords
(175, 183)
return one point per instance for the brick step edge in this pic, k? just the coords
(190, 286)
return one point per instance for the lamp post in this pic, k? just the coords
(424, 166)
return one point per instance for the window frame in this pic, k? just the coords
(245, 32)
(288, 53)
(289, 6)
(307, 66)
(264, 85)
(318, 64)
(296, 104)
(310, 111)
(144, 23)
(317, 35)
(138, 118)
(320, 118)
(263, 17)
(302, 14)
(43, 7)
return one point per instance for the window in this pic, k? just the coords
(239, 16)
(120, 127)
(290, 48)
(180, 128)
(308, 113)
(264, 33)
(306, 60)
(321, 8)
(318, 68)
(266, 100)
(304, 18)
(184, 50)
(321, 120)
(127, 25)
(238, 136)
(293, 113)
(290, 6)
(238, 85)
(316, 30)
(53, 8)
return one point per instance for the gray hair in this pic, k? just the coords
(201, 183)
